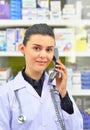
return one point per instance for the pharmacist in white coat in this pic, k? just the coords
(31, 101)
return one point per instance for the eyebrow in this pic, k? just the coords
(41, 46)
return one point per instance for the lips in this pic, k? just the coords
(42, 62)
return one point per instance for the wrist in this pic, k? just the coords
(63, 93)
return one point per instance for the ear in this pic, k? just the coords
(21, 48)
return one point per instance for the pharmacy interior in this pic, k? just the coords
(70, 20)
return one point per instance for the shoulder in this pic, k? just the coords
(6, 94)
(8, 88)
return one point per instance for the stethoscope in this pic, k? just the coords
(21, 118)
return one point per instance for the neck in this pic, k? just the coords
(34, 75)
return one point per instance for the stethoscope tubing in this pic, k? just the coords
(21, 118)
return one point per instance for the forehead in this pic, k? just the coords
(40, 36)
(41, 39)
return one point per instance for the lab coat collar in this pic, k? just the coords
(22, 83)
(19, 83)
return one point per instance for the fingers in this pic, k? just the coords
(60, 68)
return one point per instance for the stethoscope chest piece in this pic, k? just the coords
(21, 119)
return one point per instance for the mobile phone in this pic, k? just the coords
(54, 72)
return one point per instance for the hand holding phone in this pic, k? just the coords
(55, 58)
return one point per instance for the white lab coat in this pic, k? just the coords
(39, 111)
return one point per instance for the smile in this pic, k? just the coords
(42, 62)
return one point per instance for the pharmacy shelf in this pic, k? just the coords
(10, 54)
(54, 23)
(61, 54)
(75, 54)
(80, 92)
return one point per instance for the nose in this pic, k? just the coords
(43, 53)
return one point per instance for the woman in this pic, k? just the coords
(28, 102)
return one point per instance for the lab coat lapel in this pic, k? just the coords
(31, 90)
(20, 84)
(45, 90)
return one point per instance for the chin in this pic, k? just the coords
(40, 70)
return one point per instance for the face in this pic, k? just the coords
(38, 52)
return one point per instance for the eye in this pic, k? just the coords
(37, 48)
(49, 49)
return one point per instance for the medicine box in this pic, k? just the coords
(4, 9)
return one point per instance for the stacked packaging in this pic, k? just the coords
(4, 9)
(2, 40)
(16, 36)
(64, 38)
(86, 120)
(85, 80)
(15, 9)
(29, 9)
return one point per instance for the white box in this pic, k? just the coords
(64, 38)
(11, 39)
(5, 73)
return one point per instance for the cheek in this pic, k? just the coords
(28, 57)
(50, 57)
